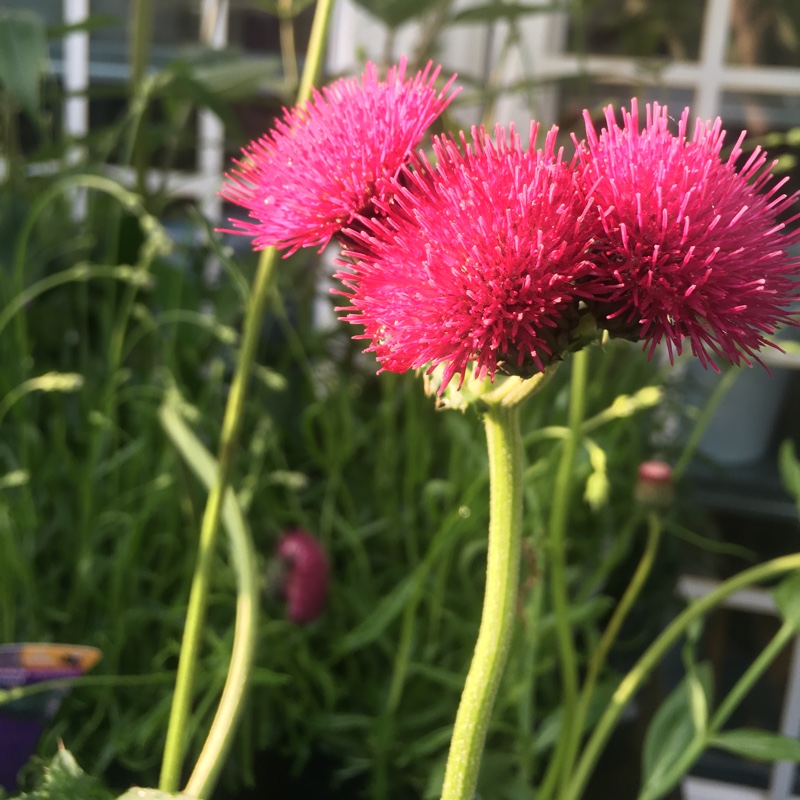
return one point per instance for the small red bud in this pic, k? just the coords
(654, 488)
(306, 582)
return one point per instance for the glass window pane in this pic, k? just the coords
(175, 25)
(638, 28)
(765, 32)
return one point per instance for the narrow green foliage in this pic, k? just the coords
(757, 744)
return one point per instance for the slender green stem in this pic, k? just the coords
(125, 198)
(720, 390)
(80, 272)
(785, 633)
(611, 632)
(641, 670)
(429, 33)
(177, 730)
(703, 739)
(615, 554)
(223, 728)
(174, 749)
(315, 52)
(558, 567)
(527, 707)
(49, 382)
(141, 34)
(497, 620)
(288, 50)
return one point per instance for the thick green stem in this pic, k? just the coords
(631, 683)
(558, 568)
(177, 730)
(497, 621)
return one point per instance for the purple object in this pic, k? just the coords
(23, 720)
(306, 575)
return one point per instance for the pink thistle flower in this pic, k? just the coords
(690, 248)
(475, 261)
(329, 160)
(306, 575)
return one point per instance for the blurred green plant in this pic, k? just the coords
(98, 514)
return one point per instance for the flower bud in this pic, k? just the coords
(654, 489)
(302, 576)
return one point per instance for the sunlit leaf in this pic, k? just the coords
(787, 597)
(670, 732)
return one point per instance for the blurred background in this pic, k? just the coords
(98, 517)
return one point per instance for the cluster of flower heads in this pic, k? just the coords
(491, 256)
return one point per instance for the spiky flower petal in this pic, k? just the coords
(691, 248)
(475, 260)
(327, 161)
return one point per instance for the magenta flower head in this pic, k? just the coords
(690, 247)
(301, 575)
(328, 160)
(474, 263)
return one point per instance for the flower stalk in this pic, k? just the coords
(610, 634)
(177, 730)
(558, 567)
(497, 620)
(633, 681)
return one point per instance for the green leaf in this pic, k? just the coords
(235, 76)
(211, 79)
(787, 597)
(64, 780)
(23, 57)
(759, 745)
(672, 729)
(394, 13)
(494, 12)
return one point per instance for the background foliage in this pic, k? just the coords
(106, 315)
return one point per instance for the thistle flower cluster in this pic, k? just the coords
(489, 256)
